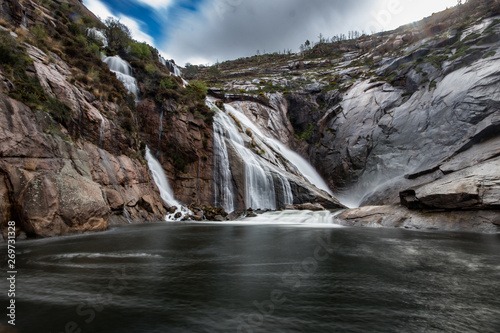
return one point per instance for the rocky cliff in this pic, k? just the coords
(403, 117)
(75, 124)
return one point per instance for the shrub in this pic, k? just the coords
(140, 50)
(150, 69)
(168, 83)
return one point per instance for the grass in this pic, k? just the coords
(489, 54)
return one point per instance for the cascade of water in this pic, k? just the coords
(222, 172)
(25, 19)
(161, 180)
(101, 130)
(304, 167)
(127, 214)
(261, 177)
(172, 67)
(166, 192)
(97, 35)
(160, 129)
(123, 72)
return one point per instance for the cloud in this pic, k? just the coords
(157, 4)
(103, 12)
(229, 29)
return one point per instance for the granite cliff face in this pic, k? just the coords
(405, 117)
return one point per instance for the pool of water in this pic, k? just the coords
(185, 277)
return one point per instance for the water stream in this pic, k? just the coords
(123, 72)
(267, 164)
(166, 192)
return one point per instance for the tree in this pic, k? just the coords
(117, 33)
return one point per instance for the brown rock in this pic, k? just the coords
(114, 199)
(5, 205)
(306, 206)
(196, 218)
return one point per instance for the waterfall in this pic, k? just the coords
(262, 176)
(161, 180)
(166, 192)
(303, 167)
(25, 19)
(222, 172)
(123, 72)
(97, 35)
(101, 130)
(160, 129)
(172, 67)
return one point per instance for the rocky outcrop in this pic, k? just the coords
(54, 187)
(183, 144)
(401, 217)
(306, 206)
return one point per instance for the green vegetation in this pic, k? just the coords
(140, 50)
(13, 61)
(489, 54)
(306, 135)
(437, 60)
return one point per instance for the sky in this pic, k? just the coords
(207, 31)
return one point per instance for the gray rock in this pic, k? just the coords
(476, 187)
(400, 217)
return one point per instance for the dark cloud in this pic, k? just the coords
(229, 29)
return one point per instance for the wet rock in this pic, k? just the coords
(401, 217)
(219, 218)
(306, 206)
(178, 215)
(196, 218)
(235, 215)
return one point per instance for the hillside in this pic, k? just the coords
(411, 111)
(403, 117)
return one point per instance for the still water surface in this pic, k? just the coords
(182, 277)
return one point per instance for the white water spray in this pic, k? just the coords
(123, 72)
(266, 176)
(166, 192)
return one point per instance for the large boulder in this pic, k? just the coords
(475, 187)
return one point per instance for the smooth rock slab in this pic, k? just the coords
(401, 217)
(471, 188)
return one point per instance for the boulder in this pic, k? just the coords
(306, 206)
(475, 187)
(114, 199)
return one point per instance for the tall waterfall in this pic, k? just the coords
(267, 164)
(161, 180)
(123, 72)
(303, 167)
(166, 192)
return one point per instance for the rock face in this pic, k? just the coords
(400, 217)
(52, 187)
(183, 145)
